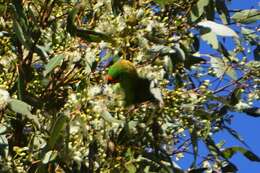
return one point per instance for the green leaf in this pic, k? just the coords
(180, 54)
(23, 108)
(49, 156)
(211, 39)
(124, 135)
(247, 16)
(218, 29)
(250, 35)
(223, 11)
(117, 7)
(197, 170)
(168, 64)
(162, 3)
(210, 10)
(92, 36)
(254, 112)
(198, 9)
(162, 50)
(229, 152)
(130, 167)
(4, 33)
(3, 8)
(253, 64)
(42, 51)
(20, 25)
(56, 129)
(54, 62)
(156, 92)
(248, 32)
(235, 96)
(18, 11)
(3, 146)
(222, 49)
(221, 67)
(90, 61)
(86, 34)
(257, 53)
(2, 129)
(20, 34)
(231, 72)
(194, 142)
(228, 167)
(218, 66)
(213, 148)
(161, 161)
(132, 124)
(109, 118)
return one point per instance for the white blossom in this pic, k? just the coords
(242, 105)
(4, 98)
(93, 91)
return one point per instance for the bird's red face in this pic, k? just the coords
(110, 79)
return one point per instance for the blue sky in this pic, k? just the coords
(248, 127)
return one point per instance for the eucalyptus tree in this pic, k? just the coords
(59, 114)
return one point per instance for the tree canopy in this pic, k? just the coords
(58, 113)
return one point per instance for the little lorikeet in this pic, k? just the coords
(135, 88)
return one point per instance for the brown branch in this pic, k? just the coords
(228, 85)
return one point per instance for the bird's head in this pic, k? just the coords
(121, 70)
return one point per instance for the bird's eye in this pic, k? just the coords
(110, 79)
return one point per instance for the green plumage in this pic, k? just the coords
(136, 88)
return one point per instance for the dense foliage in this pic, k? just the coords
(59, 114)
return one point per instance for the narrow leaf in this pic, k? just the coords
(162, 3)
(247, 16)
(198, 9)
(2, 129)
(162, 50)
(198, 170)
(23, 108)
(156, 92)
(194, 142)
(254, 112)
(20, 34)
(130, 167)
(228, 167)
(210, 10)
(218, 29)
(229, 152)
(3, 146)
(223, 11)
(86, 34)
(49, 156)
(211, 39)
(257, 53)
(54, 62)
(231, 72)
(250, 35)
(57, 127)
(221, 67)
(108, 117)
(218, 66)
(41, 51)
(179, 53)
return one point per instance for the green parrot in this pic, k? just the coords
(136, 88)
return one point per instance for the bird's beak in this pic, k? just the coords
(109, 79)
